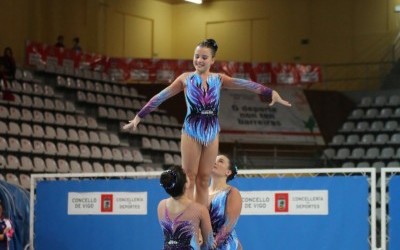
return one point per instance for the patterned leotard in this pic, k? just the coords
(201, 121)
(181, 230)
(225, 240)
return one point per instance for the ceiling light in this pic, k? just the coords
(397, 8)
(195, 1)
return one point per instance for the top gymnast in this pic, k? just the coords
(199, 139)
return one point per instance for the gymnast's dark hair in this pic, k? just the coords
(211, 44)
(232, 167)
(173, 181)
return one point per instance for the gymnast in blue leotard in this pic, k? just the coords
(225, 204)
(199, 139)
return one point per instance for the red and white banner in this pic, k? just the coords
(52, 58)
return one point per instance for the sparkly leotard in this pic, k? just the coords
(180, 231)
(226, 238)
(201, 121)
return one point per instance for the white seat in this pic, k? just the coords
(13, 162)
(394, 100)
(51, 165)
(94, 137)
(38, 131)
(391, 125)
(60, 119)
(50, 148)
(73, 150)
(119, 102)
(70, 120)
(81, 96)
(367, 139)
(127, 156)
(73, 135)
(173, 146)
(142, 129)
(92, 123)
(380, 101)
(3, 128)
(117, 154)
(393, 164)
(155, 144)
(140, 169)
(4, 112)
(121, 114)
(100, 99)
(363, 164)
(49, 117)
(348, 164)
(169, 133)
(25, 181)
(352, 139)
(91, 98)
(38, 147)
(136, 104)
(395, 139)
(177, 160)
(13, 144)
(106, 153)
(372, 153)
(347, 127)
(26, 101)
(61, 134)
(63, 166)
(342, 154)
(381, 139)
(81, 121)
(366, 101)
(361, 126)
(357, 153)
(110, 100)
(12, 179)
(119, 168)
(50, 132)
(59, 105)
(157, 119)
(27, 88)
(168, 159)
(108, 168)
(337, 140)
(376, 126)
(112, 113)
(129, 168)
(95, 152)
(114, 139)
(87, 167)
(356, 114)
(3, 144)
(15, 114)
(75, 166)
(371, 113)
(70, 106)
(38, 116)
(137, 156)
(328, 153)
(38, 102)
(385, 113)
(83, 136)
(102, 111)
(13, 128)
(38, 164)
(49, 104)
(89, 85)
(26, 146)
(146, 144)
(26, 115)
(133, 92)
(98, 168)
(26, 130)
(104, 138)
(84, 151)
(387, 153)
(127, 103)
(164, 145)
(116, 89)
(378, 165)
(62, 149)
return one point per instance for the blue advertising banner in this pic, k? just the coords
(326, 213)
(394, 212)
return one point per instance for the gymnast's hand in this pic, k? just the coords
(132, 124)
(276, 98)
